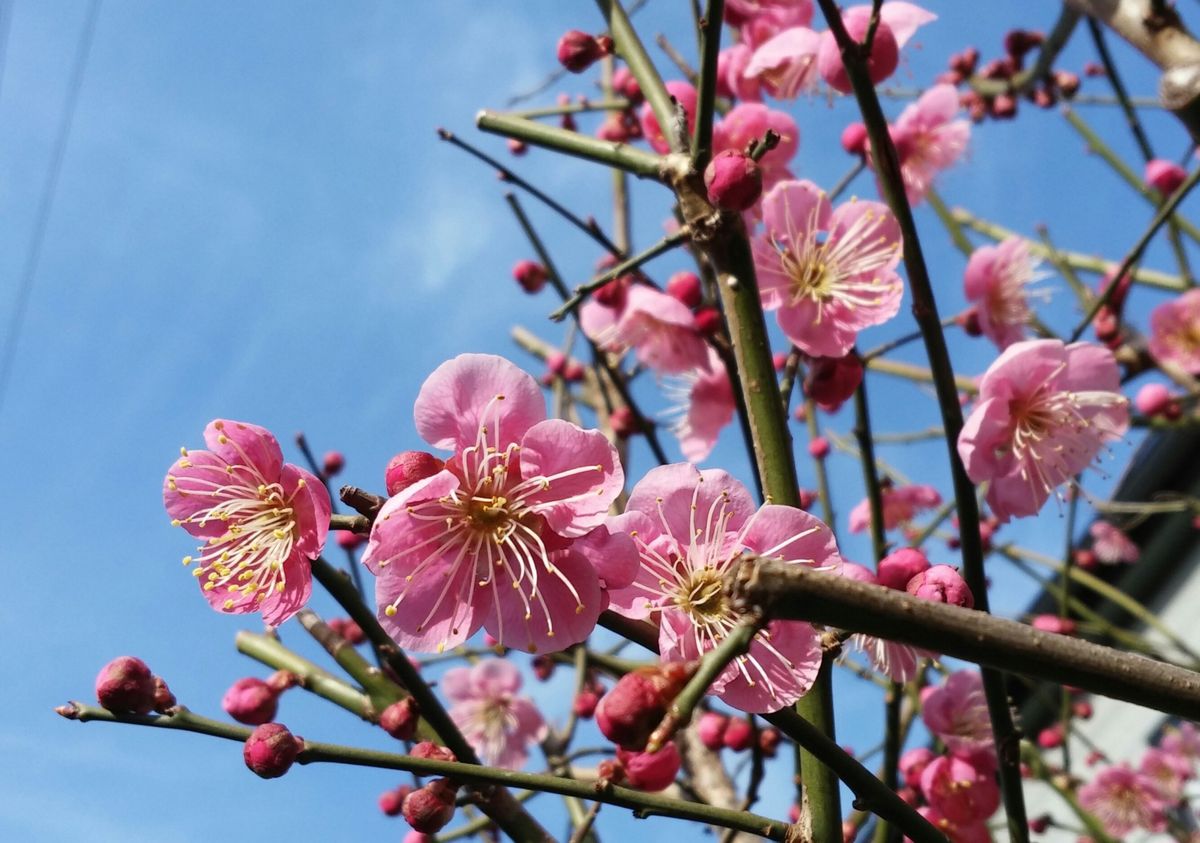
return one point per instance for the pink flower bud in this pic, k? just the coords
(431, 751)
(1050, 737)
(711, 729)
(734, 180)
(622, 421)
(556, 362)
(1153, 399)
(768, 741)
(415, 836)
(1086, 559)
(818, 448)
(585, 704)
(1039, 824)
(1066, 82)
(779, 360)
(885, 52)
(628, 713)
(252, 701)
(543, 667)
(531, 275)
(854, 139)
(391, 802)
(807, 498)
(800, 414)
(164, 700)
(350, 540)
(738, 735)
(428, 809)
(849, 832)
(625, 85)
(400, 719)
(1004, 106)
(685, 286)
(1055, 624)
(900, 566)
(1018, 42)
(407, 467)
(1083, 710)
(831, 381)
(612, 294)
(942, 584)
(348, 629)
(516, 147)
(968, 320)
(708, 321)
(270, 750)
(650, 771)
(573, 371)
(913, 762)
(577, 51)
(126, 686)
(332, 463)
(1163, 175)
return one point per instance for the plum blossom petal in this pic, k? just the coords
(586, 472)
(996, 281)
(470, 391)
(786, 64)
(261, 520)
(1175, 332)
(928, 139)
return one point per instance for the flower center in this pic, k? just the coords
(702, 596)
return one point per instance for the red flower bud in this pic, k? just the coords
(650, 771)
(622, 421)
(884, 58)
(1086, 559)
(573, 371)
(1039, 824)
(270, 750)
(585, 704)
(332, 463)
(252, 701)
(126, 686)
(831, 381)
(898, 568)
(1083, 710)
(427, 809)
(711, 729)
(400, 719)
(1004, 106)
(818, 448)
(577, 51)
(708, 321)
(1050, 737)
(1153, 399)
(407, 467)
(738, 735)
(942, 584)
(516, 147)
(1066, 82)
(625, 85)
(768, 741)
(854, 139)
(685, 286)
(164, 700)
(543, 667)
(1055, 624)
(391, 802)
(349, 540)
(531, 275)
(628, 713)
(1164, 176)
(734, 180)
(431, 751)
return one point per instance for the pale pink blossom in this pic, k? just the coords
(956, 711)
(509, 535)
(996, 281)
(1175, 332)
(484, 705)
(757, 21)
(1111, 545)
(900, 505)
(1182, 739)
(732, 80)
(658, 327)
(750, 121)
(898, 22)
(828, 272)
(929, 139)
(703, 404)
(261, 520)
(1123, 799)
(1170, 772)
(786, 64)
(691, 527)
(1043, 413)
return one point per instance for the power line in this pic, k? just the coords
(46, 204)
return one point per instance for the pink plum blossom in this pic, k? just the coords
(1175, 332)
(685, 95)
(786, 64)
(703, 404)
(898, 22)
(499, 724)
(1169, 771)
(660, 328)
(732, 80)
(828, 272)
(760, 20)
(995, 281)
(1183, 740)
(900, 505)
(509, 535)
(1111, 545)
(928, 139)
(958, 791)
(261, 520)
(956, 711)
(750, 121)
(691, 527)
(1123, 799)
(1043, 413)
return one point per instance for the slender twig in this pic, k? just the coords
(709, 28)
(866, 448)
(381, 690)
(796, 592)
(917, 373)
(820, 469)
(1025, 80)
(270, 651)
(582, 291)
(318, 470)
(580, 107)
(629, 158)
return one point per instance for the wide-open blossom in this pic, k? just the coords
(956, 711)
(494, 720)
(786, 64)
(1175, 332)
(703, 404)
(828, 272)
(1043, 413)
(691, 527)
(660, 328)
(900, 505)
(1182, 739)
(261, 520)
(929, 139)
(898, 22)
(508, 535)
(995, 280)
(1111, 545)
(1170, 772)
(1123, 799)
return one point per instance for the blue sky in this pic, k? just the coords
(255, 220)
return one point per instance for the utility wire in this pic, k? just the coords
(33, 257)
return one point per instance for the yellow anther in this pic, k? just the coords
(187, 560)
(390, 611)
(185, 463)
(278, 586)
(228, 604)
(300, 484)
(175, 522)
(223, 439)
(182, 451)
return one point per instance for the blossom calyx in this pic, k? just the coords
(271, 750)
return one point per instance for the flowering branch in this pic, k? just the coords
(795, 592)
(269, 651)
